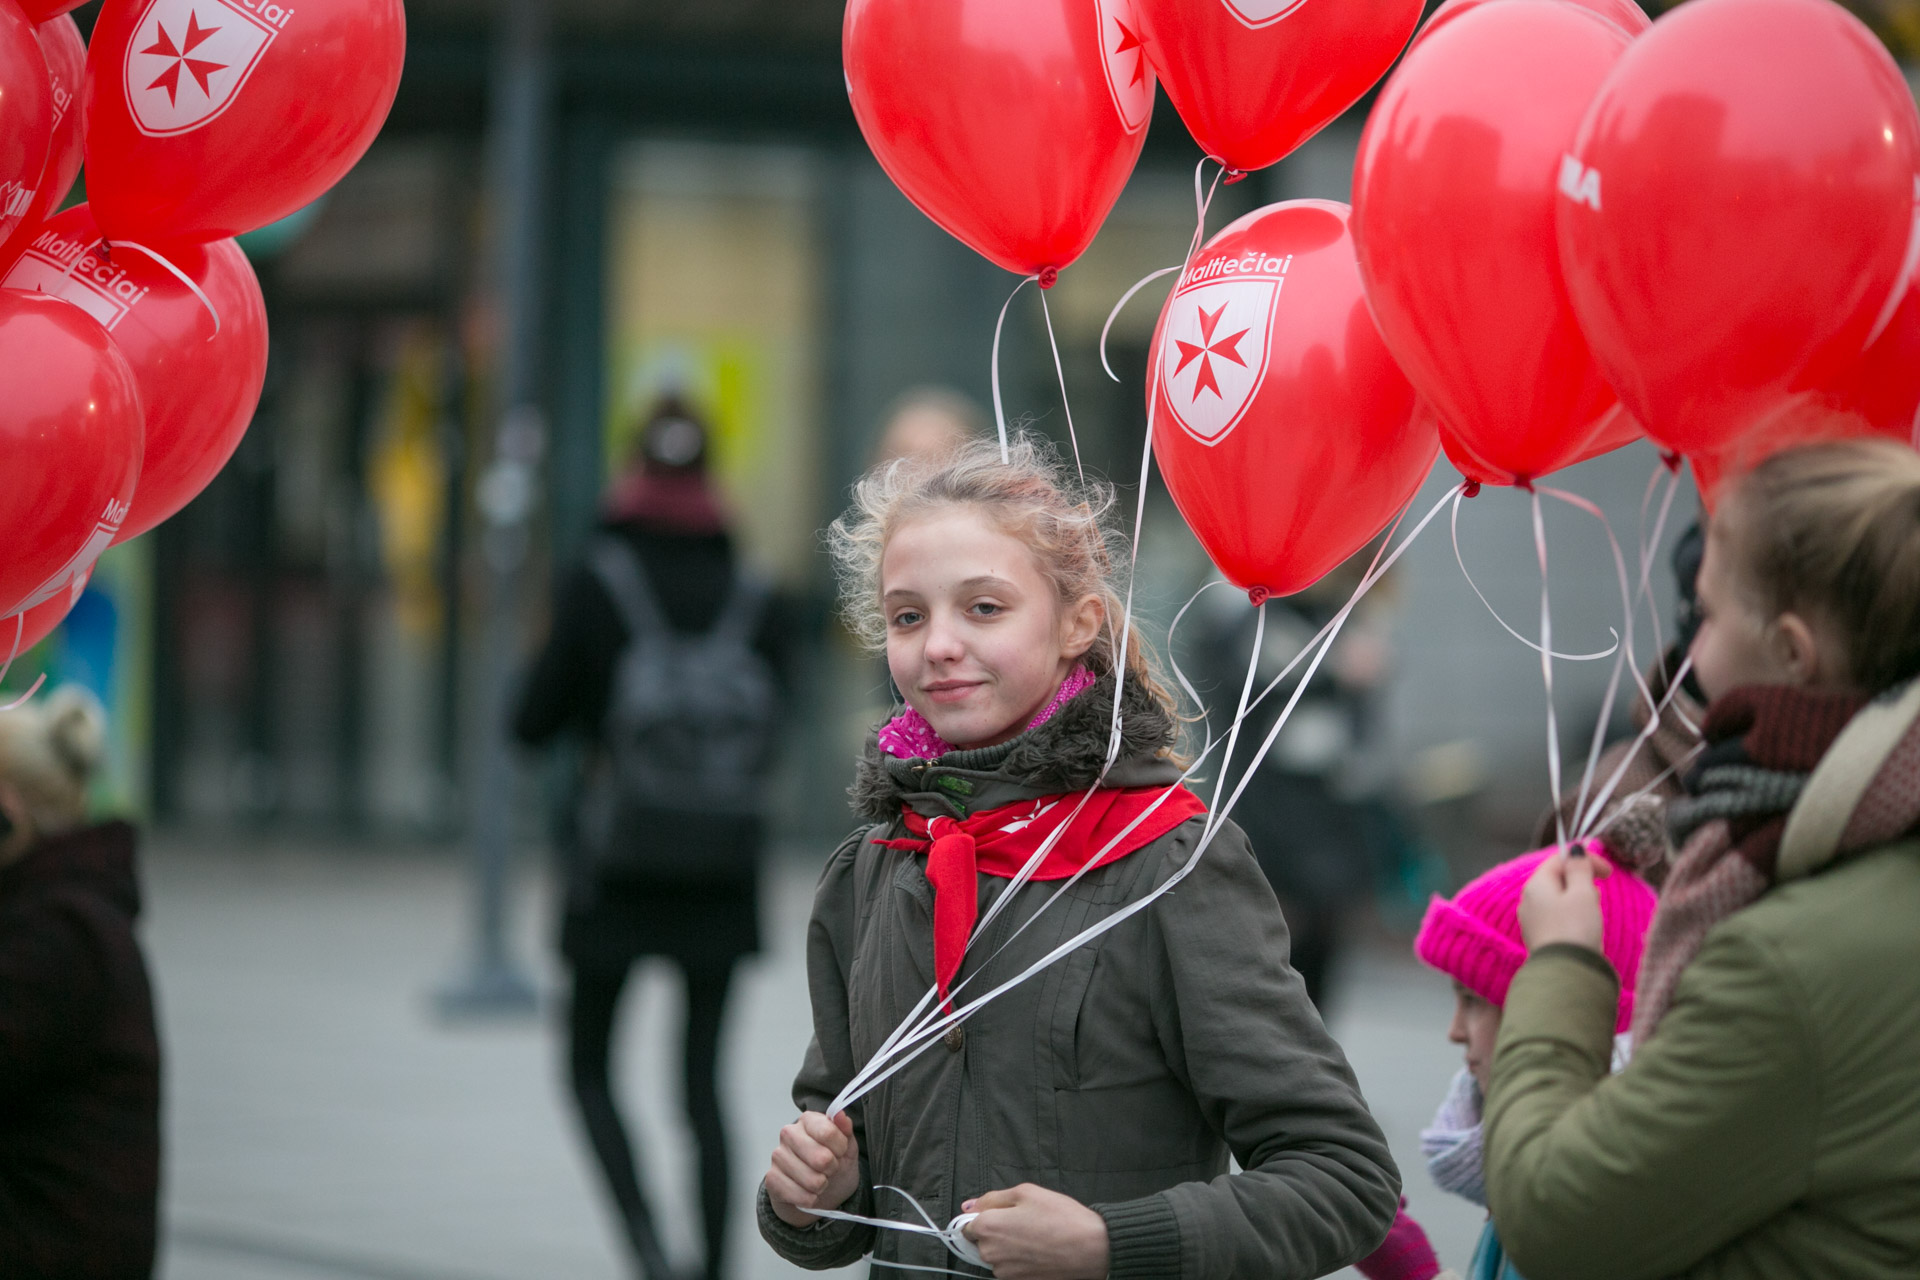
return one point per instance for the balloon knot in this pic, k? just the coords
(1471, 489)
(1233, 176)
(1048, 275)
(1523, 482)
(1672, 459)
(1258, 595)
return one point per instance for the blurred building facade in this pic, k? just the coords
(298, 647)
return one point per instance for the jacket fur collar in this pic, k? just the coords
(1064, 754)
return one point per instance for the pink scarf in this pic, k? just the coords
(908, 736)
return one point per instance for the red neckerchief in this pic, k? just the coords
(998, 842)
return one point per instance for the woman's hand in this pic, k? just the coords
(1560, 903)
(816, 1166)
(1031, 1233)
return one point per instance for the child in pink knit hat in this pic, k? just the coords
(1475, 940)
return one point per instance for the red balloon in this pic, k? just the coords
(1287, 435)
(1880, 396)
(26, 117)
(209, 118)
(1735, 211)
(70, 443)
(1884, 388)
(36, 624)
(1454, 218)
(1625, 14)
(199, 383)
(1617, 430)
(1253, 79)
(38, 11)
(66, 56)
(1012, 123)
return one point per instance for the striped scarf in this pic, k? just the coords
(1762, 744)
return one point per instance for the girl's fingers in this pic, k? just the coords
(808, 1180)
(826, 1132)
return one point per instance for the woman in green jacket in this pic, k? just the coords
(1767, 1125)
(1085, 1117)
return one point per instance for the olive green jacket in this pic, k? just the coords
(1771, 1129)
(1124, 1075)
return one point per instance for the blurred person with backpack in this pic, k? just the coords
(667, 658)
(79, 1053)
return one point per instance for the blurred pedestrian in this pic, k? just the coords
(1081, 1123)
(1765, 1125)
(1305, 809)
(667, 658)
(926, 422)
(79, 1054)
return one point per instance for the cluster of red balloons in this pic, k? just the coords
(1015, 123)
(1576, 227)
(133, 336)
(1571, 227)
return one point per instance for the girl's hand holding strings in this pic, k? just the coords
(1560, 903)
(816, 1166)
(1031, 1233)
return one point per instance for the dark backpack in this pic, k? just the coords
(690, 719)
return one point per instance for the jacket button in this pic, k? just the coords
(955, 1038)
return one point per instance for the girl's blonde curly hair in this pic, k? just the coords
(1029, 497)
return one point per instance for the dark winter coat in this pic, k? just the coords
(606, 925)
(1125, 1074)
(79, 1065)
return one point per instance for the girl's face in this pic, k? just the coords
(1738, 644)
(1476, 1028)
(977, 638)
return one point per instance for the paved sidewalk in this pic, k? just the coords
(322, 1125)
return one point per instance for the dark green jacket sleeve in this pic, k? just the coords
(828, 1065)
(1318, 1188)
(1707, 1132)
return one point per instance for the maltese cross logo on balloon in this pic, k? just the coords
(1216, 354)
(1129, 75)
(189, 59)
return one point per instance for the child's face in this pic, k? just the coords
(1476, 1027)
(1738, 644)
(977, 638)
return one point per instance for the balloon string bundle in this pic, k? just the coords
(1591, 805)
(952, 1235)
(909, 1040)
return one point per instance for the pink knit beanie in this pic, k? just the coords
(1476, 937)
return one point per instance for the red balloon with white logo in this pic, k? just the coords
(1735, 214)
(66, 57)
(26, 118)
(1012, 123)
(1625, 14)
(1285, 431)
(1253, 79)
(199, 364)
(1454, 198)
(70, 444)
(209, 118)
